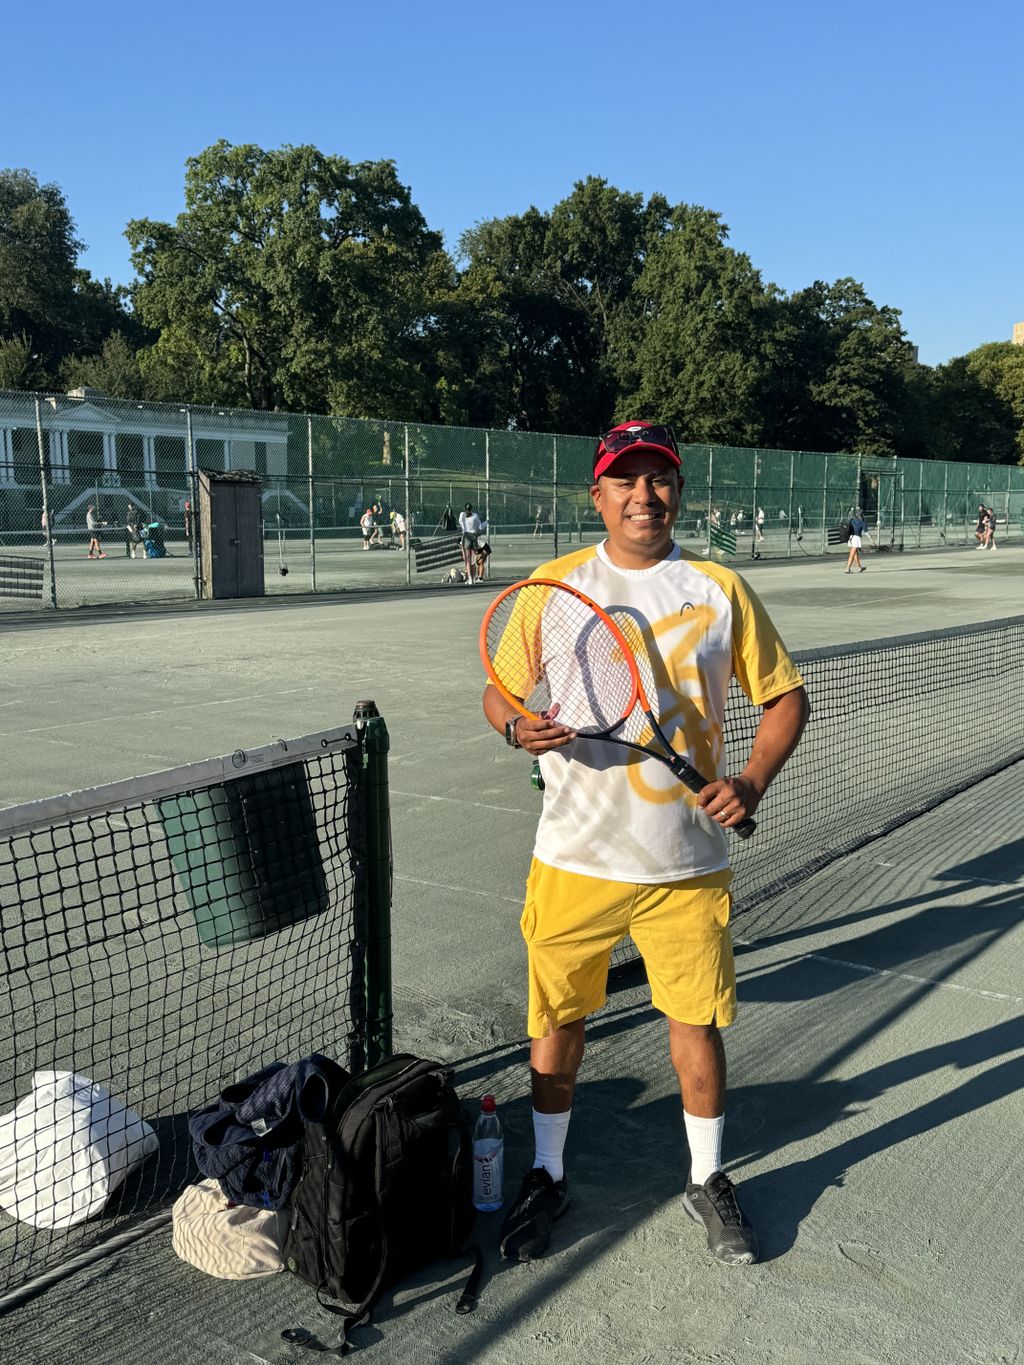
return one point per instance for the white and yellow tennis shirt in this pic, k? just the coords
(613, 812)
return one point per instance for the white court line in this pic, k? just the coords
(113, 820)
(467, 890)
(459, 801)
(967, 881)
(143, 715)
(894, 597)
(898, 976)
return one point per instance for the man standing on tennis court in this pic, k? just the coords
(623, 848)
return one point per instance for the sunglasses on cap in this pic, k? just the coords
(639, 433)
(623, 438)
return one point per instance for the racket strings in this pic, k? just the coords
(512, 646)
(685, 725)
(551, 650)
(637, 729)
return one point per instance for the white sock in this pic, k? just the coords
(549, 1132)
(705, 1139)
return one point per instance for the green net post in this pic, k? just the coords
(377, 974)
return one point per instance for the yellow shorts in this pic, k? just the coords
(571, 924)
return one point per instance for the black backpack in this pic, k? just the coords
(846, 530)
(386, 1186)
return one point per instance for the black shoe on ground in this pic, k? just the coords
(526, 1231)
(714, 1205)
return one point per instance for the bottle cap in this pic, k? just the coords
(487, 1104)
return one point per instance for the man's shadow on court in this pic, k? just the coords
(936, 943)
(628, 1157)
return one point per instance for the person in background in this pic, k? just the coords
(483, 554)
(979, 530)
(855, 542)
(760, 523)
(398, 528)
(133, 545)
(369, 529)
(471, 527)
(538, 522)
(92, 525)
(989, 534)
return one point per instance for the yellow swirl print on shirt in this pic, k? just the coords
(667, 657)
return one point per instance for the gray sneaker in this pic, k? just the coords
(715, 1207)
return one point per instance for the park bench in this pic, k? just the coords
(21, 576)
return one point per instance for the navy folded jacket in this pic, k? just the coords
(250, 1138)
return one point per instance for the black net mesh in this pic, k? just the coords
(897, 726)
(161, 947)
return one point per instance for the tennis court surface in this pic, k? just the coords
(876, 1066)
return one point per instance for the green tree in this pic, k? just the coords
(522, 366)
(696, 358)
(38, 267)
(292, 280)
(114, 369)
(19, 367)
(599, 241)
(999, 366)
(841, 373)
(550, 295)
(47, 301)
(977, 406)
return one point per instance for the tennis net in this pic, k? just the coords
(897, 727)
(165, 936)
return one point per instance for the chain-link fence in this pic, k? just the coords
(98, 498)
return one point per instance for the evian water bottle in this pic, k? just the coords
(488, 1157)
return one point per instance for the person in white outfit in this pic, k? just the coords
(471, 527)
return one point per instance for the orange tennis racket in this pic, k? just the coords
(552, 651)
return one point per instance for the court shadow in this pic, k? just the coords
(779, 1200)
(627, 1156)
(1004, 864)
(940, 938)
(804, 910)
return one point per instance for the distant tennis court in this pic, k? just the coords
(875, 1059)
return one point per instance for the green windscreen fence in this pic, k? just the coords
(76, 473)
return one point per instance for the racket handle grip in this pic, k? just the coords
(691, 778)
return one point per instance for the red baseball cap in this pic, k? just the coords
(630, 437)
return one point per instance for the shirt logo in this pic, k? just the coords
(687, 606)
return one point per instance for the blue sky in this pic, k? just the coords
(882, 141)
